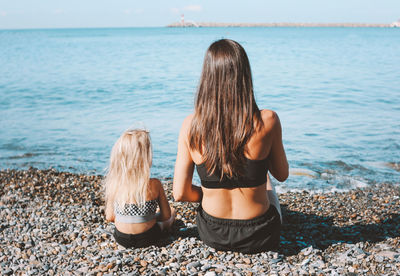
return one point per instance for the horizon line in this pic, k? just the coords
(219, 24)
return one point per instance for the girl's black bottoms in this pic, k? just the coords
(144, 239)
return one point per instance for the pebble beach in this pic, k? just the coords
(52, 223)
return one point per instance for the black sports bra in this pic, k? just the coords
(255, 174)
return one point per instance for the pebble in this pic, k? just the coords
(389, 254)
(307, 251)
(193, 265)
(54, 224)
(273, 261)
(305, 262)
(143, 263)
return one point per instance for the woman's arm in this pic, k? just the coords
(277, 162)
(183, 189)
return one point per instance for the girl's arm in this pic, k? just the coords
(183, 190)
(277, 162)
(165, 209)
(109, 210)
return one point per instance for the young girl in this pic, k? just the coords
(131, 196)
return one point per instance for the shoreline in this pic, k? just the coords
(53, 223)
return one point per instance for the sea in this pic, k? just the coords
(66, 95)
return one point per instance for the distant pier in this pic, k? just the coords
(211, 24)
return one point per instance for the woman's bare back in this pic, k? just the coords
(243, 203)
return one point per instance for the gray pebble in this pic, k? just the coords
(305, 261)
(193, 264)
(379, 259)
(7, 272)
(307, 251)
(273, 261)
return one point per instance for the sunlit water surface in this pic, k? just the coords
(66, 96)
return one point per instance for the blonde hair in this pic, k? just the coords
(128, 175)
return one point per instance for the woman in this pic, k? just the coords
(233, 146)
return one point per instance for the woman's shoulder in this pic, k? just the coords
(186, 125)
(187, 121)
(270, 119)
(268, 114)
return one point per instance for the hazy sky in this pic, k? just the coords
(126, 13)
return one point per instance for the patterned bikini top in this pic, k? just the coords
(133, 213)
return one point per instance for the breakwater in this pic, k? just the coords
(283, 24)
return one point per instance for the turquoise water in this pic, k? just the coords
(66, 95)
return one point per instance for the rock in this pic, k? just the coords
(305, 262)
(307, 251)
(85, 243)
(205, 267)
(83, 269)
(206, 254)
(318, 264)
(194, 251)
(143, 263)
(7, 272)
(193, 265)
(273, 261)
(247, 261)
(241, 266)
(388, 254)
(378, 259)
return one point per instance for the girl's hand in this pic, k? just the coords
(110, 216)
(166, 224)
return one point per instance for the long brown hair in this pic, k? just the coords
(225, 109)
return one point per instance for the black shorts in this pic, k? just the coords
(247, 236)
(144, 239)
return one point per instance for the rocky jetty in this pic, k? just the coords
(283, 24)
(52, 223)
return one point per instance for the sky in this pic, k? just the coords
(22, 14)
